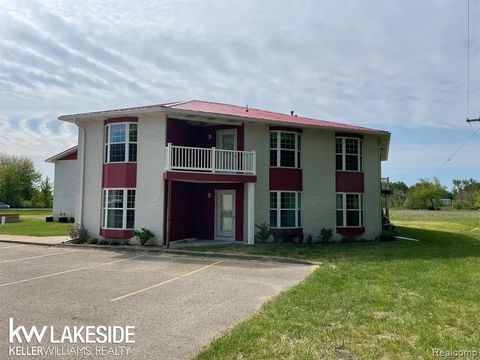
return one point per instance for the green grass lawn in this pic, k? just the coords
(393, 300)
(32, 222)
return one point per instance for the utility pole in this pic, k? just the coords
(473, 120)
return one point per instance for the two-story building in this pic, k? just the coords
(207, 170)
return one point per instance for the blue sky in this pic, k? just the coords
(398, 66)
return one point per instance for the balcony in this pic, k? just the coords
(385, 185)
(209, 160)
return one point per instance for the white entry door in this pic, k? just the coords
(227, 139)
(224, 214)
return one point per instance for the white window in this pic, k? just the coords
(349, 210)
(348, 153)
(118, 208)
(121, 142)
(285, 209)
(285, 149)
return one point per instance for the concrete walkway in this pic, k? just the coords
(37, 240)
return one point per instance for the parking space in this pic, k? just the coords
(176, 304)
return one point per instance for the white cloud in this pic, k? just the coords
(377, 63)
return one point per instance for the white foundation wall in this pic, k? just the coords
(65, 191)
(372, 194)
(318, 195)
(92, 194)
(149, 200)
(257, 137)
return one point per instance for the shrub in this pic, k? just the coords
(263, 233)
(143, 235)
(349, 238)
(326, 235)
(114, 242)
(102, 241)
(78, 234)
(308, 239)
(92, 241)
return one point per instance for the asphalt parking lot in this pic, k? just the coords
(176, 304)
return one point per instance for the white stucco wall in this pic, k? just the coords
(318, 181)
(65, 190)
(372, 194)
(92, 195)
(150, 169)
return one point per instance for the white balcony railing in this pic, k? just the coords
(212, 160)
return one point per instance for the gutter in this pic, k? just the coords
(82, 171)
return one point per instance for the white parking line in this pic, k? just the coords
(165, 282)
(38, 256)
(11, 247)
(67, 271)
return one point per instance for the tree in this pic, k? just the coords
(46, 193)
(466, 194)
(17, 179)
(398, 194)
(425, 194)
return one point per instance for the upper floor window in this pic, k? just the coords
(285, 149)
(285, 209)
(348, 154)
(119, 208)
(349, 210)
(121, 142)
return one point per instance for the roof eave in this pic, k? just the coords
(276, 122)
(64, 153)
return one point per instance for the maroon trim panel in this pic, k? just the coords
(72, 156)
(352, 135)
(215, 178)
(120, 175)
(121, 119)
(350, 231)
(285, 179)
(181, 133)
(292, 232)
(285, 128)
(349, 181)
(116, 233)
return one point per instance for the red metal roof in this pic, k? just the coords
(243, 111)
(214, 108)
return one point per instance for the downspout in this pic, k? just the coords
(82, 132)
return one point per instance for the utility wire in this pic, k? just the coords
(468, 58)
(474, 131)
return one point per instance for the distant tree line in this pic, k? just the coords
(21, 185)
(427, 194)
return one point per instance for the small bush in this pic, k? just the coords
(102, 241)
(114, 242)
(326, 235)
(78, 234)
(143, 235)
(92, 241)
(308, 239)
(263, 233)
(349, 238)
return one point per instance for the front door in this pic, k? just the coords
(225, 215)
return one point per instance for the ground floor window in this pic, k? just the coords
(349, 210)
(118, 208)
(285, 209)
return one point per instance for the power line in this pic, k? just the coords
(474, 133)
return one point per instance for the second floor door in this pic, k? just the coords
(228, 159)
